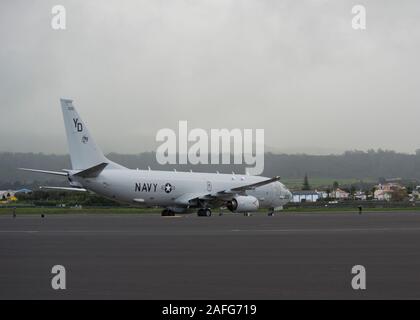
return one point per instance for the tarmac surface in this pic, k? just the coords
(136, 256)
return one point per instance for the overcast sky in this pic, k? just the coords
(295, 68)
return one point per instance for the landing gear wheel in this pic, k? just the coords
(167, 213)
(204, 212)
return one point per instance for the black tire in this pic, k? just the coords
(167, 213)
(204, 212)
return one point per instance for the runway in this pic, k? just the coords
(136, 256)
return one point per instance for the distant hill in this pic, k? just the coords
(355, 165)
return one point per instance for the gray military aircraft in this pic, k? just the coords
(176, 192)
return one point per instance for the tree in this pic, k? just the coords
(399, 194)
(306, 185)
(373, 192)
(352, 191)
(335, 185)
(367, 194)
(409, 189)
(328, 192)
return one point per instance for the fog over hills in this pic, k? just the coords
(349, 165)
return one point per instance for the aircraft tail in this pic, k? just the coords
(84, 153)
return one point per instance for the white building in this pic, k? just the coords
(385, 191)
(340, 194)
(360, 195)
(306, 196)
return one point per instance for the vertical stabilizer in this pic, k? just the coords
(84, 153)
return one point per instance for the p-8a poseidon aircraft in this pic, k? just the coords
(176, 192)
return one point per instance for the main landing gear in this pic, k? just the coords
(204, 212)
(168, 213)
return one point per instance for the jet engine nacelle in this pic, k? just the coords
(243, 204)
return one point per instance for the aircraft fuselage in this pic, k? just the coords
(172, 189)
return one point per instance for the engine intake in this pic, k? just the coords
(243, 204)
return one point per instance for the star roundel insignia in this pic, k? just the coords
(168, 188)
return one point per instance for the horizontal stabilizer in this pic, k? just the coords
(64, 188)
(57, 173)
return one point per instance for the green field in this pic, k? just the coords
(296, 183)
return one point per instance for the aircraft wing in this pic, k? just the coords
(253, 185)
(64, 188)
(190, 198)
